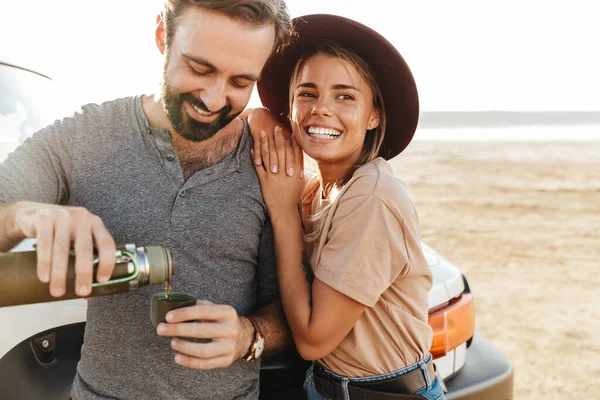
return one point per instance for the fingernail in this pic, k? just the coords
(169, 317)
(83, 290)
(274, 169)
(45, 277)
(291, 171)
(57, 292)
(257, 161)
(263, 134)
(103, 278)
(277, 129)
(161, 328)
(174, 343)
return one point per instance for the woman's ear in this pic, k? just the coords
(160, 34)
(374, 120)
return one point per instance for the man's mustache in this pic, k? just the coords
(200, 104)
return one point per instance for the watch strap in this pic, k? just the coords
(258, 335)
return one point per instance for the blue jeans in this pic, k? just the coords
(433, 391)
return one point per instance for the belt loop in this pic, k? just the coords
(345, 389)
(428, 379)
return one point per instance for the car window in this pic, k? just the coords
(28, 102)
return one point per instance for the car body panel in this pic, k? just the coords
(486, 374)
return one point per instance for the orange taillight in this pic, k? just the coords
(452, 325)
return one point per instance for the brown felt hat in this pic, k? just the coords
(392, 74)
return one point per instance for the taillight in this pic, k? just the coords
(452, 325)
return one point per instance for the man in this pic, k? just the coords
(172, 170)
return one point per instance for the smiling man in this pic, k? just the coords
(173, 169)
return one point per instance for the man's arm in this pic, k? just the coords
(274, 327)
(33, 181)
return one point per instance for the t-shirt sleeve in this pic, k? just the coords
(365, 249)
(268, 288)
(38, 169)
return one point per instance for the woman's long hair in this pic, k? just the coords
(373, 138)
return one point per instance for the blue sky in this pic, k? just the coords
(465, 55)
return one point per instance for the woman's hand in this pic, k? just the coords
(261, 119)
(282, 192)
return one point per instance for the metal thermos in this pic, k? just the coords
(136, 266)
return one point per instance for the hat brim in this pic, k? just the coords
(392, 74)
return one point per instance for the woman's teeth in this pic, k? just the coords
(323, 133)
(201, 111)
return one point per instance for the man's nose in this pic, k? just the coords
(215, 96)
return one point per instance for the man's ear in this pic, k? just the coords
(160, 34)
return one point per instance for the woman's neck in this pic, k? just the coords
(331, 175)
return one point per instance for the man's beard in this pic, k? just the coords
(185, 125)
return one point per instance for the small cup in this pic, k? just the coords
(161, 305)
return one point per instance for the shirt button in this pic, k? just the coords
(182, 193)
(170, 158)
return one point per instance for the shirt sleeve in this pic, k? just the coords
(365, 250)
(268, 287)
(38, 169)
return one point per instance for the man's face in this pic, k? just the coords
(211, 67)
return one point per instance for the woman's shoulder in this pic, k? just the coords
(377, 179)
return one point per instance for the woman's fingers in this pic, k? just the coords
(299, 157)
(256, 154)
(260, 170)
(273, 159)
(264, 149)
(290, 156)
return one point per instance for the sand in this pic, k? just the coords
(522, 221)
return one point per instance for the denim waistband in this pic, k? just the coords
(422, 363)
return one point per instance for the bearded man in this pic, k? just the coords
(173, 170)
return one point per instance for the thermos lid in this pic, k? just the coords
(160, 261)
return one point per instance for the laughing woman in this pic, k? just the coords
(352, 274)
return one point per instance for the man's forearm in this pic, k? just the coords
(274, 327)
(9, 235)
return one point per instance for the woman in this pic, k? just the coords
(353, 278)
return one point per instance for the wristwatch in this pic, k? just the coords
(258, 345)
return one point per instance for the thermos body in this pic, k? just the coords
(136, 266)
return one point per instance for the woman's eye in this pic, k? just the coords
(305, 94)
(345, 97)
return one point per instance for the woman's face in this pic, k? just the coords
(332, 109)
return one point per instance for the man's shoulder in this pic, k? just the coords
(123, 105)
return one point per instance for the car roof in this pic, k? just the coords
(21, 64)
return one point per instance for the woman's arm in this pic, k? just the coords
(319, 316)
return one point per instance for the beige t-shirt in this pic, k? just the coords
(370, 250)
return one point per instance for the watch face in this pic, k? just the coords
(260, 346)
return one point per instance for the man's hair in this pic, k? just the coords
(253, 12)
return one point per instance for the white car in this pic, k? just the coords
(40, 343)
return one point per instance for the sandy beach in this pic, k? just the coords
(522, 221)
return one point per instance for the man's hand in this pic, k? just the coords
(231, 336)
(56, 229)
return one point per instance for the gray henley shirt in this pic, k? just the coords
(107, 159)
